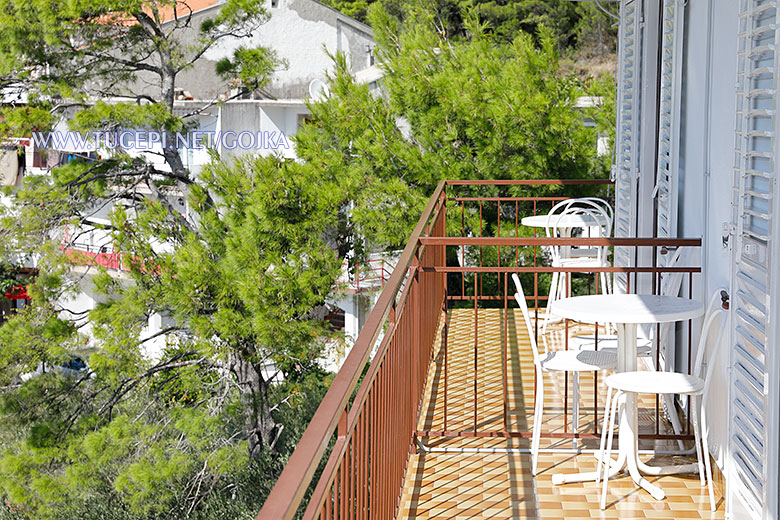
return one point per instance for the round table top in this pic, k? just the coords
(628, 308)
(561, 221)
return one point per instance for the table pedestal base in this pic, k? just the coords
(628, 457)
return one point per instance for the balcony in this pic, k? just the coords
(430, 415)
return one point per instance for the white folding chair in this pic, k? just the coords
(588, 210)
(555, 361)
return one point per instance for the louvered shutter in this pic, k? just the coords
(755, 180)
(627, 133)
(673, 16)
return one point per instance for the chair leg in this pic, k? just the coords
(706, 449)
(676, 426)
(575, 414)
(604, 436)
(608, 456)
(550, 298)
(697, 436)
(538, 412)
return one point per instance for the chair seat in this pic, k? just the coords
(582, 261)
(578, 360)
(584, 252)
(655, 383)
(608, 342)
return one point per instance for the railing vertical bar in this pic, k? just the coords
(365, 464)
(387, 378)
(353, 511)
(353, 477)
(690, 324)
(399, 378)
(373, 449)
(658, 356)
(596, 378)
(445, 338)
(388, 401)
(329, 503)
(366, 461)
(380, 442)
(565, 379)
(480, 226)
(504, 353)
(359, 457)
(476, 336)
(343, 494)
(498, 227)
(517, 231)
(463, 248)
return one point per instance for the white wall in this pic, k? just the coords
(706, 165)
(301, 32)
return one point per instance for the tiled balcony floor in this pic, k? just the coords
(499, 485)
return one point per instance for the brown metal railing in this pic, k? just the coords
(470, 291)
(367, 463)
(375, 432)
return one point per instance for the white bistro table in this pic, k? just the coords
(626, 311)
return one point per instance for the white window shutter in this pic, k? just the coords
(755, 179)
(666, 179)
(627, 132)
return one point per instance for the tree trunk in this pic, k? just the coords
(259, 425)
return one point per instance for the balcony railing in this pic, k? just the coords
(376, 424)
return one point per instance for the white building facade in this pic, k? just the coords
(696, 154)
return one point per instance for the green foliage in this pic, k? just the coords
(470, 108)
(249, 68)
(23, 120)
(580, 29)
(9, 277)
(102, 115)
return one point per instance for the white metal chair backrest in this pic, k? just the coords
(607, 208)
(520, 298)
(557, 210)
(604, 205)
(716, 315)
(590, 211)
(550, 232)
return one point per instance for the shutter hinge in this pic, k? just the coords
(766, 383)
